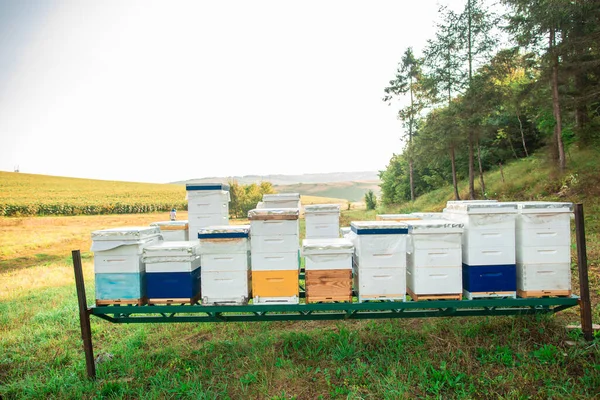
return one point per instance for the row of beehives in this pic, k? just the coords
(442, 261)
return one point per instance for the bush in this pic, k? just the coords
(371, 200)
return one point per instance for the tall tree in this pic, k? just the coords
(407, 80)
(530, 23)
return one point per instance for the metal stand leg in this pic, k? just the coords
(585, 305)
(84, 316)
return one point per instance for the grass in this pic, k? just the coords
(489, 357)
(351, 191)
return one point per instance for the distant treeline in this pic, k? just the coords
(473, 103)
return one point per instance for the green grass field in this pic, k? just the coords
(489, 357)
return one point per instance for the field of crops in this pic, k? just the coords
(43, 195)
(28, 194)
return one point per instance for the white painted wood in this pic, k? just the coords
(109, 264)
(225, 262)
(322, 218)
(470, 296)
(327, 261)
(274, 244)
(205, 220)
(544, 255)
(203, 206)
(125, 248)
(489, 237)
(489, 255)
(275, 261)
(556, 276)
(175, 235)
(220, 246)
(225, 287)
(276, 300)
(173, 266)
(210, 196)
(381, 260)
(559, 236)
(274, 227)
(379, 244)
(435, 257)
(440, 280)
(329, 230)
(380, 283)
(436, 241)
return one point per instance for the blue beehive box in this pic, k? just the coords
(172, 272)
(489, 278)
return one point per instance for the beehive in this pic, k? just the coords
(225, 253)
(434, 266)
(208, 205)
(328, 269)
(322, 221)
(396, 217)
(488, 247)
(379, 264)
(118, 268)
(172, 272)
(281, 200)
(543, 248)
(173, 231)
(275, 257)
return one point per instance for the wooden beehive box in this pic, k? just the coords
(328, 269)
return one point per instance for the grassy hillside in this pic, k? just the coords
(351, 191)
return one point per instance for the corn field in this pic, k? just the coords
(29, 195)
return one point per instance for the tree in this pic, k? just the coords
(407, 80)
(370, 200)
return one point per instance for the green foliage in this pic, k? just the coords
(245, 197)
(370, 200)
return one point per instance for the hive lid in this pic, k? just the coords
(171, 225)
(539, 207)
(127, 233)
(321, 208)
(281, 197)
(428, 215)
(207, 186)
(396, 217)
(434, 226)
(224, 232)
(273, 213)
(481, 207)
(175, 249)
(320, 246)
(379, 227)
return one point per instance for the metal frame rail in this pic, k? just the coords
(334, 311)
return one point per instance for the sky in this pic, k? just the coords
(163, 91)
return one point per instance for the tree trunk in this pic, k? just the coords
(556, 105)
(522, 135)
(471, 169)
(481, 180)
(410, 177)
(454, 180)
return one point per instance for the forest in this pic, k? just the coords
(498, 82)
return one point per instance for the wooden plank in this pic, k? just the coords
(84, 316)
(585, 304)
(139, 302)
(448, 296)
(174, 227)
(595, 327)
(327, 299)
(273, 218)
(526, 294)
(328, 284)
(185, 300)
(472, 295)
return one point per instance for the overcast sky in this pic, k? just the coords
(164, 91)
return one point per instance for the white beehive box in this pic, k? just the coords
(322, 221)
(489, 231)
(435, 258)
(326, 254)
(282, 200)
(208, 205)
(173, 231)
(380, 259)
(428, 215)
(225, 257)
(396, 217)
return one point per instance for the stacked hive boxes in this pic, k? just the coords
(275, 250)
(322, 221)
(543, 240)
(488, 247)
(172, 272)
(379, 259)
(328, 269)
(173, 231)
(434, 269)
(281, 200)
(208, 205)
(118, 267)
(226, 275)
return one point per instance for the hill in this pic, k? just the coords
(351, 191)
(277, 179)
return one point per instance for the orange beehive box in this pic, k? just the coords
(277, 283)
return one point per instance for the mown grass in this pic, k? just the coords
(488, 357)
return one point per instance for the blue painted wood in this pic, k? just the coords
(489, 278)
(123, 286)
(207, 186)
(173, 285)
